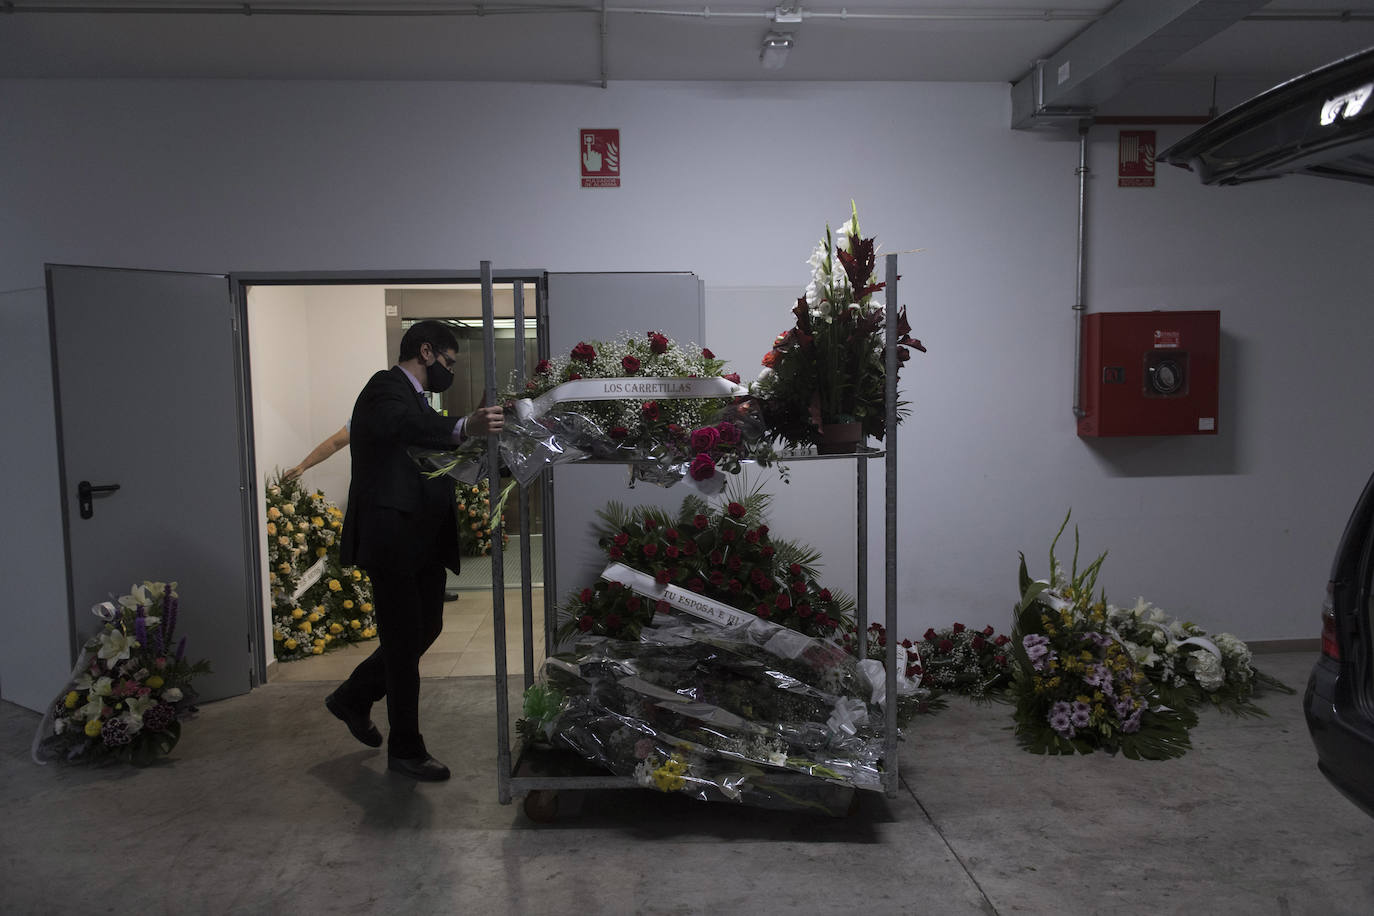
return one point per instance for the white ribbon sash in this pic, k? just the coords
(309, 578)
(680, 598)
(611, 389)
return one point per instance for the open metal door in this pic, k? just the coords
(148, 381)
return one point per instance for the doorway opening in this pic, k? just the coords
(312, 344)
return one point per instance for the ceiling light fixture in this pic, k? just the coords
(775, 48)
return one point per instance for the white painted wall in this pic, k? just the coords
(311, 350)
(735, 182)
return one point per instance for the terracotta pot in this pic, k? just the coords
(840, 438)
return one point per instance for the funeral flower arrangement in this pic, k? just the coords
(710, 661)
(725, 553)
(829, 368)
(131, 687)
(317, 603)
(475, 526)
(644, 418)
(1089, 676)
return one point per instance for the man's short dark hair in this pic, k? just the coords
(435, 333)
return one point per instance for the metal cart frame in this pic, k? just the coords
(511, 780)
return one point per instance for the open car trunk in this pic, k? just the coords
(1320, 123)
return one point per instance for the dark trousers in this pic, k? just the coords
(410, 616)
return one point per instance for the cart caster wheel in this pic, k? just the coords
(541, 806)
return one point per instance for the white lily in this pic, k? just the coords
(115, 646)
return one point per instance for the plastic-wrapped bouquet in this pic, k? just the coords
(669, 412)
(131, 687)
(730, 713)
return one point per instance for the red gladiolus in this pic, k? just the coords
(584, 352)
(630, 365)
(703, 467)
(657, 342)
(735, 510)
(585, 622)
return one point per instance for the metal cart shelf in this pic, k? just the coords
(539, 774)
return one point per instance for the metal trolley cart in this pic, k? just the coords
(540, 775)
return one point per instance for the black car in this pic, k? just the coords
(1318, 124)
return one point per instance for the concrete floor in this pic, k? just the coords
(268, 806)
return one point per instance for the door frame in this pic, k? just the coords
(239, 282)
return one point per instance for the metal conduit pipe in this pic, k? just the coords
(1082, 173)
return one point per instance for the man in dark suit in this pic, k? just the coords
(401, 527)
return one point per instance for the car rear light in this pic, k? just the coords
(1331, 646)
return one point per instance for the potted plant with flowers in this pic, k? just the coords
(824, 380)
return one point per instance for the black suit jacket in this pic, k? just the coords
(397, 519)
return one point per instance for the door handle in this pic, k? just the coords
(84, 490)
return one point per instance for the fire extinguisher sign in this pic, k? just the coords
(1135, 166)
(599, 151)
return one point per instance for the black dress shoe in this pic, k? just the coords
(424, 768)
(359, 725)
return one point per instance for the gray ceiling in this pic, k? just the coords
(562, 40)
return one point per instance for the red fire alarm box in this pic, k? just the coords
(1149, 374)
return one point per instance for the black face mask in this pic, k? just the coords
(437, 378)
